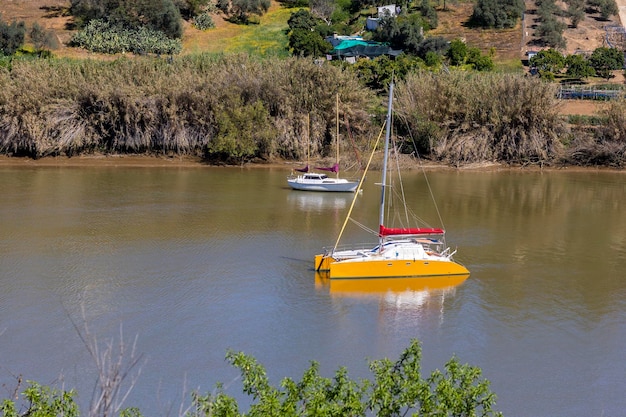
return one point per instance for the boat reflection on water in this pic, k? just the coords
(311, 201)
(400, 292)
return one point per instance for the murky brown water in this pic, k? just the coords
(198, 261)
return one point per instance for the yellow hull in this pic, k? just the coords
(386, 268)
(322, 263)
(366, 286)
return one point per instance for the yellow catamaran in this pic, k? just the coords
(400, 252)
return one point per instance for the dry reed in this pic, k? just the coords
(220, 106)
(236, 108)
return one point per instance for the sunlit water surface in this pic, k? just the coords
(193, 262)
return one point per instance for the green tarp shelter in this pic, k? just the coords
(360, 48)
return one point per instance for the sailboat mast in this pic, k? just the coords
(385, 157)
(308, 138)
(337, 133)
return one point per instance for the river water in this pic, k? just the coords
(192, 262)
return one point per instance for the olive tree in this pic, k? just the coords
(241, 10)
(160, 15)
(497, 13)
(42, 38)
(11, 36)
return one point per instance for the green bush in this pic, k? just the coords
(42, 38)
(11, 36)
(397, 388)
(203, 21)
(42, 401)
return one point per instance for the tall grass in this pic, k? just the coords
(468, 117)
(237, 108)
(194, 105)
(604, 145)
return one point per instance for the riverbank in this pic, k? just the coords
(143, 161)
(104, 161)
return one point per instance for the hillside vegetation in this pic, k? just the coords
(238, 107)
(510, 44)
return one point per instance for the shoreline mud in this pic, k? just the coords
(147, 161)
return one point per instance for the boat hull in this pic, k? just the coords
(365, 286)
(341, 187)
(360, 268)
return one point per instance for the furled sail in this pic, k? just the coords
(334, 168)
(305, 169)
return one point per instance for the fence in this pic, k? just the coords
(590, 93)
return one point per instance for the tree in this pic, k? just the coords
(403, 32)
(302, 19)
(323, 9)
(478, 61)
(244, 8)
(460, 54)
(290, 4)
(161, 15)
(377, 73)
(432, 59)
(164, 16)
(548, 61)
(605, 60)
(437, 45)
(430, 14)
(497, 13)
(307, 43)
(42, 38)
(244, 130)
(578, 67)
(11, 36)
(358, 5)
(192, 8)
(576, 11)
(546, 8)
(606, 8)
(550, 31)
(85, 11)
(457, 52)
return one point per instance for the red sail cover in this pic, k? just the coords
(390, 231)
(305, 169)
(334, 168)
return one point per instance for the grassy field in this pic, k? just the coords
(264, 36)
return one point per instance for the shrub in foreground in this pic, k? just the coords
(397, 389)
